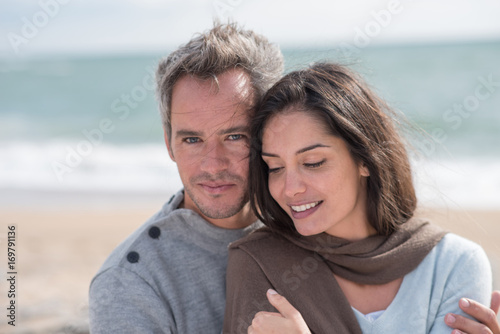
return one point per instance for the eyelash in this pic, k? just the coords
(191, 140)
(316, 164)
(240, 136)
(311, 165)
(194, 140)
(274, 170)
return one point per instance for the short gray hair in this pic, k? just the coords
(207, 55)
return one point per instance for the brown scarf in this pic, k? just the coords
(295, 266)
(376, 259)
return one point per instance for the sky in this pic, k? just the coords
(31, 27)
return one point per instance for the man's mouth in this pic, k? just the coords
(216, 188)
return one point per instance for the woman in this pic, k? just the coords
(331, 180)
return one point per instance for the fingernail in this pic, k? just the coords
(464, 302)
(272, 292)
(450, 319)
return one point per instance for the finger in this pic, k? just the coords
(464, 325)
(456, 331)
(495, 301)
(264, 313)
(282, 305)
(268, 322)
(481, 313)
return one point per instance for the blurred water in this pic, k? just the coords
(92, 123)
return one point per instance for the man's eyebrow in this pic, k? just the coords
(302, 150)
(235, 129)
(187, 133)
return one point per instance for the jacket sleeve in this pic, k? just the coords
(246, 287)
(470, 278)
(120, 301)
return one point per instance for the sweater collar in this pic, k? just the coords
(200, 225)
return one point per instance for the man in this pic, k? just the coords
(168, 276)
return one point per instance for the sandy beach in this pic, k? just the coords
(60, 248)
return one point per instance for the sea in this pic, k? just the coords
(90, 123)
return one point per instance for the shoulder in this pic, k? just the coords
(260, 236)
(266, 251)
(243, 251)
(459, 268)
(453, 246)
(146, 244)
(455, 255)
(262, 242)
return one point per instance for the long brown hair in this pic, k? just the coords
(351, 111)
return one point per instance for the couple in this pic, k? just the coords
(168, 276)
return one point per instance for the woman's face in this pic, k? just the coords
(313, 177)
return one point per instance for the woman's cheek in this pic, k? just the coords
(274, 187)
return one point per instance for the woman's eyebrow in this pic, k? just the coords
(302, 150)
(308, 148)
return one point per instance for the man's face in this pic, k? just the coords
(210, 143)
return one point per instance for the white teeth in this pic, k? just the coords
(304, 207)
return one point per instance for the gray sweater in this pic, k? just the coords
(167, 277)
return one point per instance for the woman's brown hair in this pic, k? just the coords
(351, 111)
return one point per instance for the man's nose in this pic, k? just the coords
(215, 159)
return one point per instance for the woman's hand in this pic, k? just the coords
(487, 321)
(287, 321)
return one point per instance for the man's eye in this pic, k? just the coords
(191, 140)
(235, 137)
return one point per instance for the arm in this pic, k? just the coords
(246, 287)
(120, 301)
(486, 318)
(470, 278)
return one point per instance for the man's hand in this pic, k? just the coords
(487, 321)
(287, 321)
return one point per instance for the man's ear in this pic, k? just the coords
(169, 147)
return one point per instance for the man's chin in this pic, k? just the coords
(216, 205)
(220, 207)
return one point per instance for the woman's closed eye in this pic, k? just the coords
(274, 170)
(315, 164)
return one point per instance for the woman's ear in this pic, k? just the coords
(363, 170)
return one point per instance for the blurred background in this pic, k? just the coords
(82, 156)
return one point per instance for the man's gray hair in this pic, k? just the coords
(207, 55)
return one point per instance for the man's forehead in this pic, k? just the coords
(223, 110)
(210, 122)
(198, 106)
